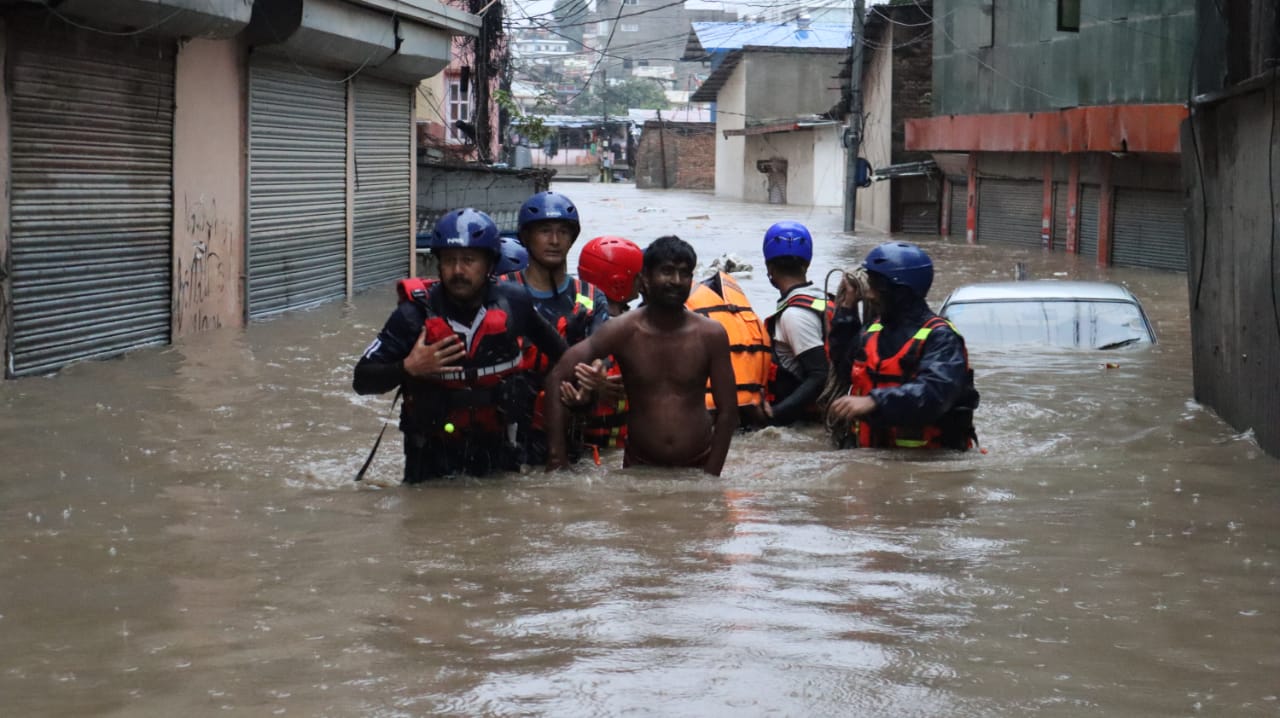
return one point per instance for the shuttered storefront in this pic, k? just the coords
(91, 204)
(959, 209)
(1010, 211)
(1149, 230)
(920, 218)
(1060, 207)
(1089, 198)
(382, 227)
(297, 186)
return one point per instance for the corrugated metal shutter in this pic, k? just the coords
(959, 209)
(1010, 211)
(384, 124)
(1060, 203)
(1090, 196)
(1149, 230)
(920, 218)
(297, 186)
(91, 208)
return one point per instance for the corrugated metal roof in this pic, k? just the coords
(707, 38)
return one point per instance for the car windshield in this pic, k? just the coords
(1053, 322)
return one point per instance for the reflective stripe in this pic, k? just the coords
(922, 334)
(482, 371)
(819, 305)
(911, 443)
(585, 302)
(875, 327)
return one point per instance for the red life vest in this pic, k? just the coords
(464, 399)
(878, 372)
(605, 427)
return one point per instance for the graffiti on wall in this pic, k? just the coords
(204, 275)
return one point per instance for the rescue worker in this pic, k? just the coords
(798, 327)
(514, 256)
(911, 385)
(719, 297)
(613, 264)
(452, 347)
(547, 226)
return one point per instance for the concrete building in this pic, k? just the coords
(1056, 124)
(644, 38)
(175, 166)
(897, 86)
(776, 102)
(1231, 160)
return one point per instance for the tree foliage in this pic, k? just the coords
(615, 100)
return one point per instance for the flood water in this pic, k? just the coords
(181, 535)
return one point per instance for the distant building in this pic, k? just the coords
(645, 39)
(1056, 125)
(777, 109)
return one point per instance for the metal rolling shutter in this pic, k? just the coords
(959, 209)
(1090, 195)
(1149, 230)
(1010, 211)
(92, 196)
(920, 218)
(383, 230)
(297, 186)
(1060, 203)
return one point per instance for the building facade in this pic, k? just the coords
(1056, 125)
(177, 166)
(897, 86)
(778, 139)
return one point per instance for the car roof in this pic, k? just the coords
(1041, 289)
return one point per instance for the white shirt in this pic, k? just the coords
(797, 330)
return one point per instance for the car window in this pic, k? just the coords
(1062, 323)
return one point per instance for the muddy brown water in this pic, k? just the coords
(182, 536)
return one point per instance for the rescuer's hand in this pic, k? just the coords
(851, 407)
(611, 391)
(591, 377)
(427, 359)
(572, 396)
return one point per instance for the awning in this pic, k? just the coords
(774, 128)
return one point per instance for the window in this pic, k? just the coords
(630, 2)
(459, 108)
(630, 27)
(1069, 15)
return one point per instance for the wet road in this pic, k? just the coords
(181, 536)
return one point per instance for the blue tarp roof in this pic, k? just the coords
(716, 37)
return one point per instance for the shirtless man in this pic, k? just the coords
(666, 354)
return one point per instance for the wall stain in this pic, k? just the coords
(202, 275)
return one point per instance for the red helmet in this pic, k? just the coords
(612, 264)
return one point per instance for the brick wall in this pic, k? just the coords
(912, 76)
(690, 155)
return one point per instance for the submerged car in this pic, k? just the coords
(1048, 312)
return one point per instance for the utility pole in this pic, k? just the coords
(853, 136)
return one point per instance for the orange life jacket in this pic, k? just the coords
(750, 349)
(876, 372)
(464, 399)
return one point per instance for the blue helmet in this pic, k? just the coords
(788, 239)
(466, 228)
(514, 257)
(549, 205)
(902, 264)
